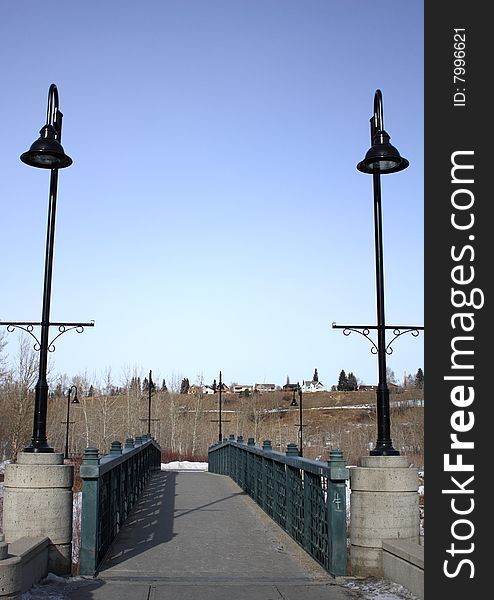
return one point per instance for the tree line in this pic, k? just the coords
(349, 383)
(183, 423)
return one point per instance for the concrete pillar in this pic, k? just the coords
(38, 502)
(384, 504)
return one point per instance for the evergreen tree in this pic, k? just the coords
(352, 384)
(342, 382)
(184, 388)
(135, 386)
(145, 385)
(91, 391)
(163, 386)
(315, 377)
(214, 386)
(419, 379)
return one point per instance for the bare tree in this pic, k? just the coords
(197, 412)
(3, 357)
(84, 385)
(19, 396)
(133, 396)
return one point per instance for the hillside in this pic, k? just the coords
(186, 425)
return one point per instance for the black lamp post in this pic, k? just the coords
(150, 391)
(46, 153)
(151, 388)
(219, 388)
(294, 399)
(300, 421)
(74, 401)
(220, 391)
(381, 159)
(298, 390)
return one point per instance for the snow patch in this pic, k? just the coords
(184, 465)
(53, 587)
(380, 589)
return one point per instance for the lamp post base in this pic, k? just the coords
(38, 447)
(384, 450)
(384, 505)
(38, 502)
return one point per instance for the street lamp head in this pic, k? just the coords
(382, 157)
(47, 152)
(76, 398)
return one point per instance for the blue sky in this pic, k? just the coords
(213, 218)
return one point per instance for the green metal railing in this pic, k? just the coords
(111, 485)
(307, 498)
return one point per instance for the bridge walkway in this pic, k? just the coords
(197, 535)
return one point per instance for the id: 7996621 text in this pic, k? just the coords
(459, 66)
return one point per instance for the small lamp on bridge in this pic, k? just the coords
(74, 401)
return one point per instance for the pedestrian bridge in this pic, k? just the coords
(235, 531)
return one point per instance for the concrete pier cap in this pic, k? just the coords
(38, 502)
(384, 505)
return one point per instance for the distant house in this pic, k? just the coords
(312, 386)
(238, 389)
(290, 387)
(197, 390)
(264, 387)
(209, 389)
(366, 388)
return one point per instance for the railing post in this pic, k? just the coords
(89, 517)
(211, 460)
(291, 450)
(267, 447)
(231, 458)
(249, 469)
(241, 463)
(336, 503)
(307, 510)
(115, 448)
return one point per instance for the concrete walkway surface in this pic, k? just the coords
(197, 535)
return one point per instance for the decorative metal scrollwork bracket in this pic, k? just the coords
(29, 326)
(364, 330)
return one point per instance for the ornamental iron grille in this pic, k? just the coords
(307, 498)
(111, 485)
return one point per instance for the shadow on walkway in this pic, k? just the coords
(197, 535)
(150, 522)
